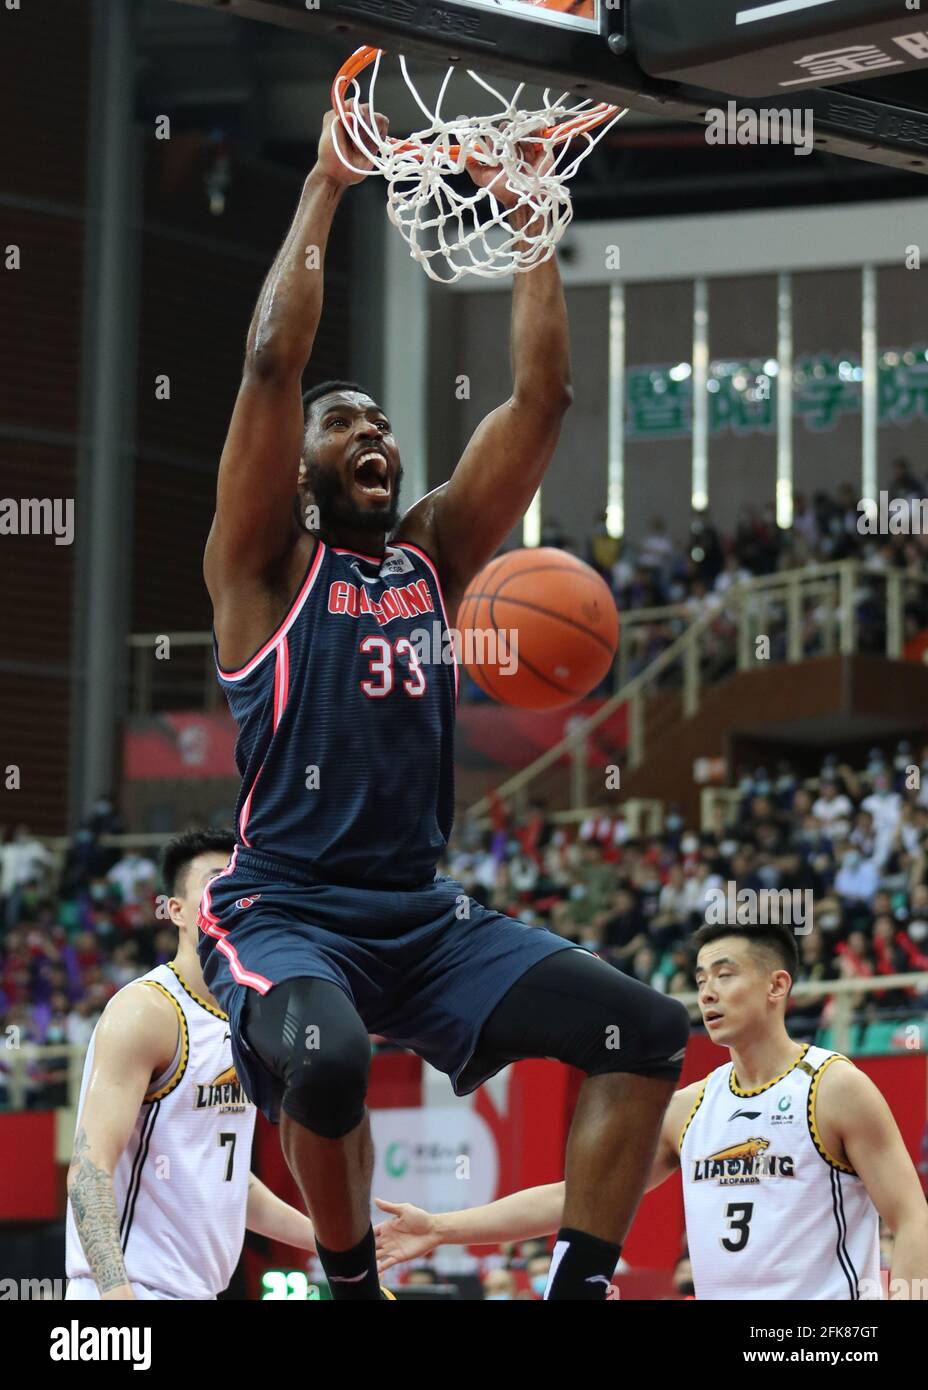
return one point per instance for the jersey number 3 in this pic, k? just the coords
(738, 1215)
(383, 657)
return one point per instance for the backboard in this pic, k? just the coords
(759, 47)
(675, 58)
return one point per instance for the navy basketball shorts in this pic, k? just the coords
(423, 967)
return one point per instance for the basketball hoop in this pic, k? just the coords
(471, 232)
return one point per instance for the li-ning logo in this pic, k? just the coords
(744, 1115)
(242, 903)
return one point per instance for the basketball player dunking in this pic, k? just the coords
(159, 1187)
(329, 922)
(787, 1154)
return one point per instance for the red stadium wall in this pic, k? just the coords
(530, 1134)
(29, 1185)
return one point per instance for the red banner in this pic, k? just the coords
(183, 745)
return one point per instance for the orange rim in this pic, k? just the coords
(566, 130)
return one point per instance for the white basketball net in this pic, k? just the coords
(452, 233)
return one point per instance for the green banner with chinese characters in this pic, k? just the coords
(743, 394)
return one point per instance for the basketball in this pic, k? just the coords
(539, 629)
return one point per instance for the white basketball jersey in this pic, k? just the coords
(769, 1213)
(181, 1184)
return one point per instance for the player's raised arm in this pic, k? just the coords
(466, 520)
(857, 1113)
(268, 1215)
(413, 1232)
(135, 1040)
(253, 526)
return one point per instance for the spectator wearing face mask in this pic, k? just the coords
(910, 829)
(672, 908)
(623, 931)
(23, 860)
(646, 884)
(785, 785)
(833, 810)
(499, 1285)
(892, 955)
(854, 961)
(523, 873)
(81, 1022)
(538, 1269)
(895, 948)
(885, 806)
(857, 879)
(863, 835)
(644, 967)
(132, 872)
(809, 835)
(805, 1016)
(918, 914)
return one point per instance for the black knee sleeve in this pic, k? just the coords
(579, 1010)
(659, 1029)
(309, 1035)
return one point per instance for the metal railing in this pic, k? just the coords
(21, 1067)
(785, 617)
(176, 670)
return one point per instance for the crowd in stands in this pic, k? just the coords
(71, 934)
(857, 840)
(656, 569)
(694, 573)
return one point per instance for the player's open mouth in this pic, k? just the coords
(713, 1018)
(371, 475)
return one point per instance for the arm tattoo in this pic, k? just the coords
(94, 1205)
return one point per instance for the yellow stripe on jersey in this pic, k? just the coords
(736, 1089)
(210, 1008)
(174, 1079)
(810, 1115)
(689, 1119)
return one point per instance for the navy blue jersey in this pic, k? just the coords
(346, 723)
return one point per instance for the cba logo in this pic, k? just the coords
(782, 1118)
